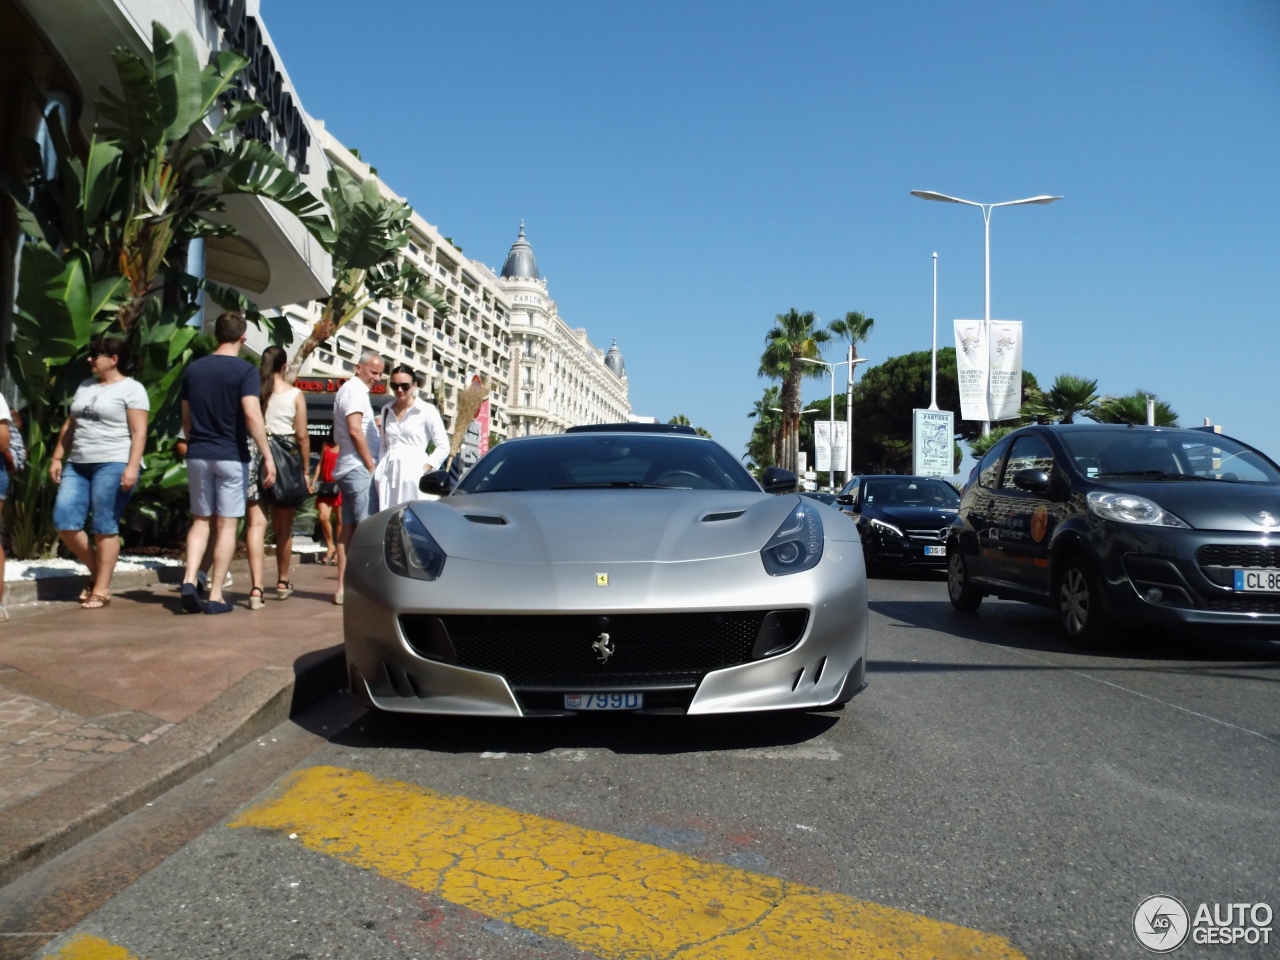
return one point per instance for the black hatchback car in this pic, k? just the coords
(1114, 524)
(903, 521)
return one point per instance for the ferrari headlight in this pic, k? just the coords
(1130, 508)
(797, 544)
(411, 550)
(879, 526)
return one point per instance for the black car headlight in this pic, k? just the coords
(884, 529)
(797, 544)
(411, 550)
(1131, 508)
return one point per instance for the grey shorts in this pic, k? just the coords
(359, 496)
(217, 487)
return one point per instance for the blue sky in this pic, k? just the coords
(686, 171)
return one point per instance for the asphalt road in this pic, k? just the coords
(989, 778)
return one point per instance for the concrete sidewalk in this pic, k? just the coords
(102, 710)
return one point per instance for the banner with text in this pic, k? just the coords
(973, 360)
(822, 444)
(933, 443)
(1005, 398)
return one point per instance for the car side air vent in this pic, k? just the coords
(482, 518)
(712, 517)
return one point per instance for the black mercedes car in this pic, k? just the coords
(1115, 524)
(904, 521)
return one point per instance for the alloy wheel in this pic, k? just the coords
(1074, 601)
(955, 576)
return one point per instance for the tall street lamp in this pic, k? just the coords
(986, 209)
(831, 412)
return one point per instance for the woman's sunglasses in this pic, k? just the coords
(401, 386)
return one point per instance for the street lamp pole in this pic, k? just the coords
(831, 414)
(933, 373)
(986, 209)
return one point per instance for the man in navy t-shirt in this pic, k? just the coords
(220, 411)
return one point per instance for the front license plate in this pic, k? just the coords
(935, 551)
(604, 701)
(1258, 581)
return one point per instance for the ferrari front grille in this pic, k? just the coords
(590, 651)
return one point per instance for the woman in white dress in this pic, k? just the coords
(409, 425)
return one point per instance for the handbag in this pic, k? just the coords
(290, 489)
(327, 488)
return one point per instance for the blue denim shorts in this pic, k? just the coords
(91, 488)
(4, 482)
(359, 495)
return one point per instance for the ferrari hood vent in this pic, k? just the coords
(712, 517)
(483, 518)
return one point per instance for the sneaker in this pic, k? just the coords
(191, 599)
(214, 606)
(4, 614)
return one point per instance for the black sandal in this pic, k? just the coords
(284, 589)
(255, 603)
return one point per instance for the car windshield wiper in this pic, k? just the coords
(1153, 474)
(499, 490)
(617, 485)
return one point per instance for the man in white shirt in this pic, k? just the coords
(356, 430)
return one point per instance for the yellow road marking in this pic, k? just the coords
(613, 897)
(84, 947)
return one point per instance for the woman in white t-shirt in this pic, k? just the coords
(285, 412)
(102, 441)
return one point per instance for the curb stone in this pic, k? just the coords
(43, 826)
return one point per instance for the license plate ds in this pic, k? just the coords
(935, 551)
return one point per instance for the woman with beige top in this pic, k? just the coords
(285, 412)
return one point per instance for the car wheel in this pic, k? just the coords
(1081, 608)
(961, 592)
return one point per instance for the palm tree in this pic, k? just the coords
(369, 231)
(1069, 397)
(979, 446)
(792, 340)
(1133, 409)
(855, 328)
(680, 420)
(764, 447)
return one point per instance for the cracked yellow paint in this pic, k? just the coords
(616, 898)
(85, 947)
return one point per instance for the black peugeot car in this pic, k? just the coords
(1115, 524)
(904, 521)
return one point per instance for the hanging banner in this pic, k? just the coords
(973, 359)
(822, 444)
(1006, 369)
(483, 418)
(933, 443)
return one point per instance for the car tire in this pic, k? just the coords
(1082, 610)
(964, 596)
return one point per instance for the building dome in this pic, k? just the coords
(520, 263)
(613, 360)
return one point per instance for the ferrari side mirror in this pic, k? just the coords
(436, 482)
(777, 480)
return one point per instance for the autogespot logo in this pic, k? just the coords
(1161, 923)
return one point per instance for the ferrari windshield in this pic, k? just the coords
(605, 461)
(1130, 455)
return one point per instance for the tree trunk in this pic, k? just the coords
(790, 434)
